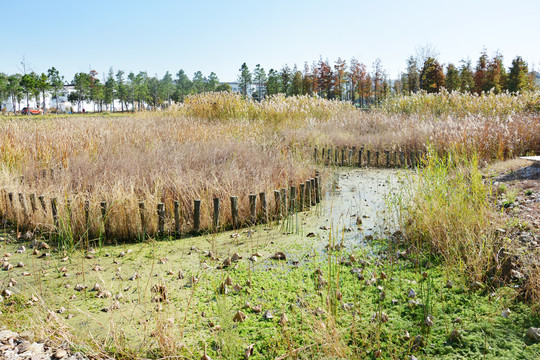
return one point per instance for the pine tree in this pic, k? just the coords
(244, 79)
(452, 78)
(466, 77)
(518, 79)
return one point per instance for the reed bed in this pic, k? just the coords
(144, 157)
(459, 104)
(216, 145)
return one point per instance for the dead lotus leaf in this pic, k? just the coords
(239, 317)
(283, 320)
(249, 351)
(279, 256)
(235, 257)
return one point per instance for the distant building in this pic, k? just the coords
(252, 89)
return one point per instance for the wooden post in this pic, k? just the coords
(176, 218)
(402, 159)
(54, 211)
(284, 209)
(360, 157)
(322, 155)
(104, 218)
(342, 157)
(329, 156)
(317, 193)
(161, 218)
(301, 197)
(292, 198)
(23, 205)
(41, 199)
(87, 214)
(143, 218)
(307, 203)
(315, 155)
(215, 217)
(253, 208)
(368, 158)
(33, 204)
(10, 196)
(264, 207)
(234, 211)
(312, 182)
(196, 215)
(387, 158)
(336, 157)
(350, 157)
(395, 159)
(377, 158)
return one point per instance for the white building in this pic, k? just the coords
(253, 88)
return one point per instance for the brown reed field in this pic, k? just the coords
(220, 145)
(304, 289)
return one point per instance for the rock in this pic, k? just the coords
(180, 274)
(60, 353)
(534, 334)
(428, 321)
(21, 249)
(505, 313)
(6, 335)
(449, 284)
(412, 294)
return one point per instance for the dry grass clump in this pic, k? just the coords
(273, 109)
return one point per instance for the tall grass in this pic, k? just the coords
(450, 214)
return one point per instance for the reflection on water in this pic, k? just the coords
(359, 203)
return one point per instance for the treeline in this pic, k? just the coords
(356, 83)
(340, 80)
(136, 89)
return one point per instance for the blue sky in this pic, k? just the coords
(160, 35)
